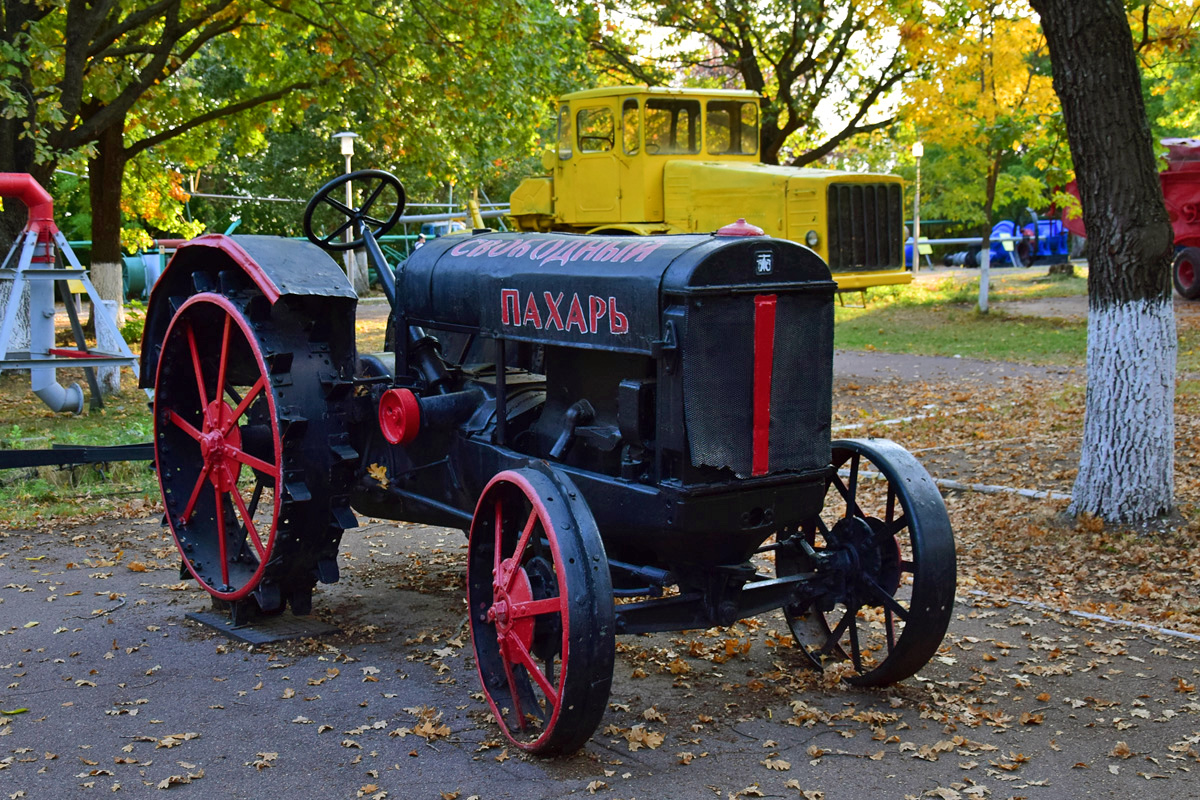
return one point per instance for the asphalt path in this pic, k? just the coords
(123, 695)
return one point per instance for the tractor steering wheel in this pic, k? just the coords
(326, 218)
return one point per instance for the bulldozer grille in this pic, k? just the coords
(866, 226)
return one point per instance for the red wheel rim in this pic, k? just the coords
(510, 616)
(207, 460)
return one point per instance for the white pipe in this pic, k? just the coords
(983, 488)
(1089, 615)
(898, 421)
(41, 339)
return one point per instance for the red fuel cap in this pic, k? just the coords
(399, 416)
(741, 228)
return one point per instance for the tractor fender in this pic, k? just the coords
(277, 267)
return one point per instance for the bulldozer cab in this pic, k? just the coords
(614, 143)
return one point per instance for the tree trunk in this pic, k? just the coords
(105, 173)
(1126, 469)
(16, 147)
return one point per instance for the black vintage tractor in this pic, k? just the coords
(606, 417)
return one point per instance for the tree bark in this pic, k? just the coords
(105, 173)
(1126, 470)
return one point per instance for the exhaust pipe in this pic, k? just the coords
(41, 339)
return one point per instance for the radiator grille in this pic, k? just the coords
(718, 382)
(866, 226)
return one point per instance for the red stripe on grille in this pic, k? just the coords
(764, 360)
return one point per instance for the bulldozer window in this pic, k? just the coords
(564, 132)
(731, 127)
(672, 126)
(630, 126)
(596, 128)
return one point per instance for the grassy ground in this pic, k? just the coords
(29, 496)
(934, 316)
(939, 315)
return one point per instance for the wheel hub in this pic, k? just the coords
(504, 600)
(220, 439)
(860, 552)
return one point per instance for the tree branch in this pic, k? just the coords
(215, 114)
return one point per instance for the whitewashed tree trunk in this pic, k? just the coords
(106, 277)
(1126, 468)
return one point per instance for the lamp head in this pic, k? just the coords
(347, 141)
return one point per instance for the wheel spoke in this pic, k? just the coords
(183, 425)
(531, 608)
(855, 649)
(512, 686)
(248, 520)
(885, 599)
(373, 221)
(251, 461)
(349, 212)
(535, 671)
(256, 496)
(519, 551)
(892, 528)
(851, 498)
(191, 338)
(258, 386)
(851, 505)
(891, 503)
(890, 623)
(221, 537)
(224, 358)
(836, 634)
(191, 505)
(372, 197)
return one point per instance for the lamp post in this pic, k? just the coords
(357, 276)
(346, 139)
(918, 150)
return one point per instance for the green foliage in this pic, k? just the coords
(135, 323)
(822, 68)
(986, 110)
(438, 93)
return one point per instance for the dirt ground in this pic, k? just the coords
(1069, 670)
(110, 689)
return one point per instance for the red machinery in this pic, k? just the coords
(1181, 191)
(29, 275)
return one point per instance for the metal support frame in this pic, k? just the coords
(27, 275)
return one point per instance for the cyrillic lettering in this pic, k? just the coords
(596, 309)
(552, 315)
(509, 298)
(531, 311)
(618, 323)
(575, 315)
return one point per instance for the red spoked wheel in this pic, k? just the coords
(883, 552)
(250, 439)
(1186, 272)
(218, 446)
(541, 610)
